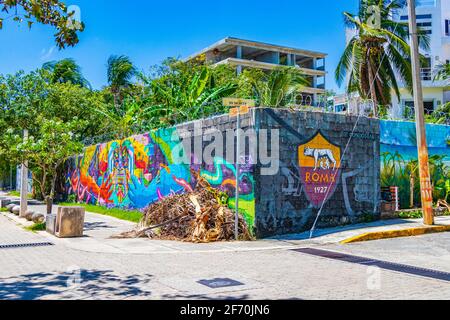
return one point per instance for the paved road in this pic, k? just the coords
(64, 272)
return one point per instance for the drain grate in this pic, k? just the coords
(422, 272)
(25, 245)
(220, 283)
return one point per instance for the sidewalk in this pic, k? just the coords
(99, 229)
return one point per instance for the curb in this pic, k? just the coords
(410, 232)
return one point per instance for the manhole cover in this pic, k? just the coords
(25, 245)
(220, 283)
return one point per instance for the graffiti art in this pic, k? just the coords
(138, 171)
(320, 164)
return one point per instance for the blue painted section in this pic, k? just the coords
(400, 136)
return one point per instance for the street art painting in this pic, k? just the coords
(129, 173)
(319, 163)
(140, 170)
(221, 175)
(399, 159)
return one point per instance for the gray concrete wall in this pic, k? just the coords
(283, 201)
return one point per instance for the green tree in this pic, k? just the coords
(66, 70)
(29, 100)
(442, 72)
(276, 88)
(185, 91)
(377, 52)
(120, 72)
(45, 152)
(49, 12)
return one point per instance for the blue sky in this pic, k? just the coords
(149, 31)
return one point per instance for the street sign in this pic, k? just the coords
(234, 112)
(235, 102)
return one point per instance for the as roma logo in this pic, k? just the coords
(320, 168)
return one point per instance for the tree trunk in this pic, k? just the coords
(49, 202)
(51, 196)
(411, 190)
(373, 93)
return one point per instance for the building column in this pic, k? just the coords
(239, 56)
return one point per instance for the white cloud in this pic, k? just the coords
(46, 54)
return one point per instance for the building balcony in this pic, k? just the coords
(267, 66)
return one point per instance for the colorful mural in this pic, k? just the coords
(400, 136)
(222, 175)
(138, 171)
(399, 160)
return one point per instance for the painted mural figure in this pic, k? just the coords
(322, 158)
(138, 171)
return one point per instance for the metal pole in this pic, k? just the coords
(424, 171)
(24, 181)
(10, 177)
(236, 217)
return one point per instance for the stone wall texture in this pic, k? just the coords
(290, 201)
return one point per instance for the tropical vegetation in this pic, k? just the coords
(396, 171)
(377, 52)
(62, 112)
(49, 12)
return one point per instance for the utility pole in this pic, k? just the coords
(426, 190)
(24, 182)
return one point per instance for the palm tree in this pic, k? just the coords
(377, 53)
(185, 97)
(66, 71)
(120, 72)
(278, 87)
(443, 72)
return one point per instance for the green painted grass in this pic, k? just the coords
(129, 215)
(17, 194)
(36, 227)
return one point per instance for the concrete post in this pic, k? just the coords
(239, 56)
(24, 182)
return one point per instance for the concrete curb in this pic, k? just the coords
(410, 232)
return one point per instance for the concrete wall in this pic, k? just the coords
(290, 201)
(140, 170)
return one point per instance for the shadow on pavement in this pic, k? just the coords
(77, 284)
(328, 231)
(89, 226)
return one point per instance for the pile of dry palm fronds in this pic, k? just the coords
(198, 216)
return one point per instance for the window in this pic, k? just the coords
(424, 16)
(447, 27)
(418, 17)
(425, 3)
(408, 113)
(424, 24)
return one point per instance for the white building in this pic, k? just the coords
(433, 16)
(243, 54)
